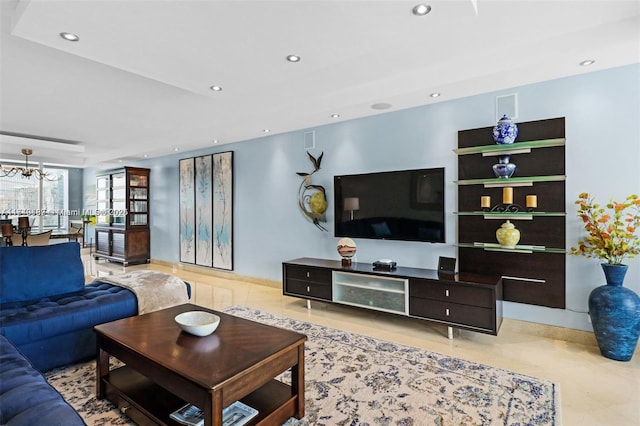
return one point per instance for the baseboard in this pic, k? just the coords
(570, 335)
(550, 331)
(217, 273)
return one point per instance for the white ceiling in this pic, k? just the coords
(137, 83)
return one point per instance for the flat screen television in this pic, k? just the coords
(406, 205)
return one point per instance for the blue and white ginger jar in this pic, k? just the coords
(506, 131)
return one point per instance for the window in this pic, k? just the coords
(45, 202)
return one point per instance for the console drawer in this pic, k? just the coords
(451, 292)
(308, 289)
(472, 316)
(305, 273)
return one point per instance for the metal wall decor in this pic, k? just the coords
(206, 210)
(312, 199)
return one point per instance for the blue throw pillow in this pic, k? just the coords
(28, 273)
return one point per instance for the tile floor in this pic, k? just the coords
(594, 391)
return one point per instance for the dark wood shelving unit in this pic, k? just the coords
(535, 276)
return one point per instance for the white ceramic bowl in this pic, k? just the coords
(198, 323)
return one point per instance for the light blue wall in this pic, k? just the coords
(602, 111)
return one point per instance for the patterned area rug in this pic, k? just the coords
(357, 380)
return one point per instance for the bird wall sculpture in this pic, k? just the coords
(312, 199)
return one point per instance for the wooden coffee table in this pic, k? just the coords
(166, 368)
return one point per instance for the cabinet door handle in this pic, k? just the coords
(446, 293)
(308, 289)
(307, 274)
(446, 312)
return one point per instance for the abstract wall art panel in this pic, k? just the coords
(223, 210)
(187, 211)
(206, 210)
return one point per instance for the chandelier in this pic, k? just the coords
(25, 171)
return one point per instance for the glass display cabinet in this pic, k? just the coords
(122, 215)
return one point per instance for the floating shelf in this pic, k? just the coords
(512, 216)
(508, 149)
(517, 249)
(504, 182)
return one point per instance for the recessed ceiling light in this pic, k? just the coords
(381, 105)
(176, 149)
(216, 88)
(69, 36)
(215, 141)
(146, 156)
(266, 130)
(335, 115)
(421, 9)
(435, 95)
(587, 62)
(293, 58)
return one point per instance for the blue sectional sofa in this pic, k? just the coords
(46, 310)
(47, 315)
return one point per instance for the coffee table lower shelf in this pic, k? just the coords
(147, 403)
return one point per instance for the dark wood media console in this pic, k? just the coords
(467, 301)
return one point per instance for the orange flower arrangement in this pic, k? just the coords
(610, 240)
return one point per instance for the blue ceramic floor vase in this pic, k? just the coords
(615, 315)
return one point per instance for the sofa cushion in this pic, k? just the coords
(97, 303)
(28, 273)
(25, 396)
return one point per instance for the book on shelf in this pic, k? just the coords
(189, 415)
(236, 414)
